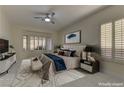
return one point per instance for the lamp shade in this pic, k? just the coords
(11, 46)
(89, 49)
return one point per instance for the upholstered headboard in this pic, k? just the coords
(78, 48)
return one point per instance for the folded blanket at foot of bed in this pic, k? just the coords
(59, 62)
(44, 73)
(41, 65)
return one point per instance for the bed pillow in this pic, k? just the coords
(63, 49)
(67, 53)
(78, 53)
(36, 64)
(72, 53)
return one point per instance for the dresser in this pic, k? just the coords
(7, 62)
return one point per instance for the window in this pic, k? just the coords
(32, 43)
(49, 44)
(40, 43)
(36, 43)
(119, 39)
(25, 39)
(44, 43)
(106, 40)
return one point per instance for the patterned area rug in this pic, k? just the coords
(25, 78)
(6, 80)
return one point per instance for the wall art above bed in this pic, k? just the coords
(73, 37)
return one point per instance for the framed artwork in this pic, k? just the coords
(73, 37)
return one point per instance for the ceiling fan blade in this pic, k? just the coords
(43, 19)
(36, 17)
(52, 14)
(52, 22)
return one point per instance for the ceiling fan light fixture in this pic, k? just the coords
(47, 19)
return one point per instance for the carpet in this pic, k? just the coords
(33, 79)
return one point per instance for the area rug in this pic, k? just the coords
(25, 78)
(6, 80)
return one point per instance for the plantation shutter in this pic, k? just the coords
(25, 42)
(106, 40)
(119, 39)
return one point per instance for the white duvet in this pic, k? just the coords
(71, 62)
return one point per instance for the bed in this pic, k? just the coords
(70, 62)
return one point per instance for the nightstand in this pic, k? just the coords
(89, 66)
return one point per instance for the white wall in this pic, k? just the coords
(4, 26)
(18, 32)
(90, 28)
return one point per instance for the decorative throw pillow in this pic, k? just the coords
(67, 53)
(61, 53)
(36, 64)
(72, 53)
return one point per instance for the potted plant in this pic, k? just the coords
(56, 48)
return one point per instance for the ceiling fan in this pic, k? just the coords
(46, 17)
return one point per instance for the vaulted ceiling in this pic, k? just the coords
(64, 14)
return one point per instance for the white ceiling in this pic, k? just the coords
(64, 14)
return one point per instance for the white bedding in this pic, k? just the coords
(70, 62)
